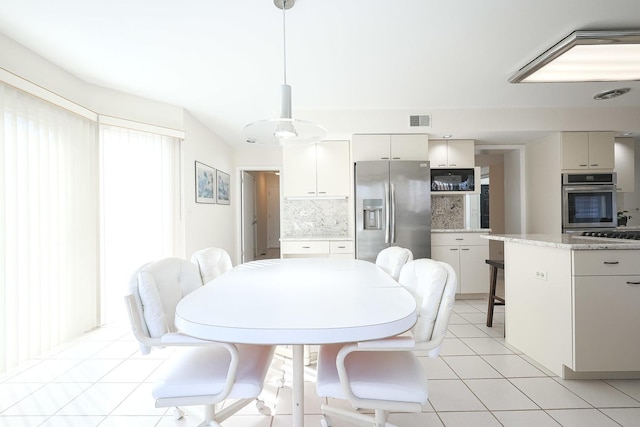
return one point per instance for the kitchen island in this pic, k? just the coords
(573, 303)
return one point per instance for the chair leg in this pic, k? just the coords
(492, 295)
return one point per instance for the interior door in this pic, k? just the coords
(273, 213)
(249, 217)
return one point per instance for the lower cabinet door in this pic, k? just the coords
(606, 323)
(474, 270)
(450, 255)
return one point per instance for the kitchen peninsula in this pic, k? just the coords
(573, 303)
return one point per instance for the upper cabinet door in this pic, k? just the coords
(371, 147)
(575, 150)
(299, 170)
(601, 150)
(457, 153)
(410, 147)
(587, 150)
(332, 168)
(461, 153)
(390, 147)
(438, 154)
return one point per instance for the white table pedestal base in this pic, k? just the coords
(298, 385)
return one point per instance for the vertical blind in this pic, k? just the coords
(49, 226)
(140, 177)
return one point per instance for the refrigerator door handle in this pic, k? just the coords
(393, 214)
(386, 213)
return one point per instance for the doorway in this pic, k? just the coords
(260, 215)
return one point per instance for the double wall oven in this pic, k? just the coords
(588, 201)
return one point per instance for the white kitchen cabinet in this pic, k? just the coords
(466, 253)
(587, 150)
(624, 150)
(317, 249)
(606, 292)
(390, 147)
(452, 153)
(320, 169)
(575, 312)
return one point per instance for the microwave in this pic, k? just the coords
(461, 180)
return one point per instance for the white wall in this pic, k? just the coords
(543, 185)
(514, 210)
(206, 224)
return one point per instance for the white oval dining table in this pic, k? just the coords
(298, 301)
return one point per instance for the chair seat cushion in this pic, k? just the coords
(202, 371)
(385, 375)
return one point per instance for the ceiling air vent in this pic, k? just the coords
(423, 120)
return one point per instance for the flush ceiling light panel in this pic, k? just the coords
(586, 56)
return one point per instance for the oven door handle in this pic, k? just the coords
(588, 188)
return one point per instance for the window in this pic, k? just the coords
(48, 226)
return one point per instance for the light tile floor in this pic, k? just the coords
(101, 379)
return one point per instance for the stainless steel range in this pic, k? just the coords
(614, 234)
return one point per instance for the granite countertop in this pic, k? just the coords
(307, 238)
(461, 230)
(566, 241)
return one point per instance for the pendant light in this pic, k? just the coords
(284, 129)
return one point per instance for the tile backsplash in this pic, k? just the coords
(315, 218)
(447, 212)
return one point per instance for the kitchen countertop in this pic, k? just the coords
(461, 230)
(566, 241)
(308, 238)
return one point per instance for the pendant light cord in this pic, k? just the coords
(284, 40)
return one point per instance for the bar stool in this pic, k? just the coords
(493, 298)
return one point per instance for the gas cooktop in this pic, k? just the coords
(614, 234)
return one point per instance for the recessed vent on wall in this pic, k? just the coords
(422, 120)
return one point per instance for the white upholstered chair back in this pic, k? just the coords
(155, 289)
(433, 284)
(392, 259)
(212, 262)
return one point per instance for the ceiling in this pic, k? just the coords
(355, 66)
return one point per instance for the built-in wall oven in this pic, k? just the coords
(588, 201)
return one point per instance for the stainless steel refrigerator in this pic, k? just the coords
(393, 207)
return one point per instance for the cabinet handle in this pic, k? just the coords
(595, 164)
(322, 192)
(453, 249)
(633, 283)
(611, 262)
(306, 247)
(395, 158)
(464, 249)
(311, 192)
(453, 164)
(341, 247)
(459, 238)
(384, 158)
(442, 165)
(583, 166)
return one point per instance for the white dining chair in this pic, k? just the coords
(386, 375)
(392, 259)
(212, 262)
(200, 372)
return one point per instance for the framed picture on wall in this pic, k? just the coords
(205, 183)
(223, 188)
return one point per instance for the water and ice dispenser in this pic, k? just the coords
(372, 214)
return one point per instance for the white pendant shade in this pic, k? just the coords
(284, 129)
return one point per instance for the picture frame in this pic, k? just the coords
(223, 188)
(205, 183)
